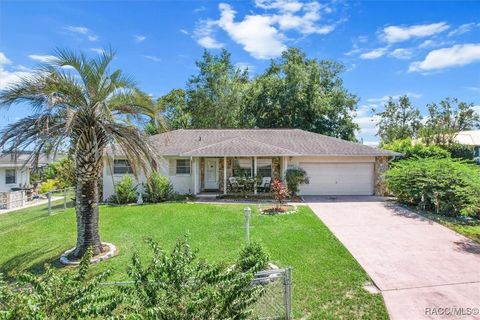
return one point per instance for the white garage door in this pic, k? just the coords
(338, 178)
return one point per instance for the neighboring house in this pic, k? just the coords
(198, 160)
(15, 169)
(471, 138)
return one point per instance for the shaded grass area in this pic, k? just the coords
(327, 281)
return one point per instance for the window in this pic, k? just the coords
(264, 167)
(121, 166)
(243, 167)
(182, 166)
(10, 176)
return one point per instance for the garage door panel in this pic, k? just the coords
(338, 178)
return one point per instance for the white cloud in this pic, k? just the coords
(455, 56)
(184, 31)
(464, 28)
(373, 54)
(402, 53)
(199, 9)
(204, 33)
(42, 58)
(139, 38)
(385, 98)
(153, 58)
(12, 75)
(255, 33)
(393, 34)
(97, 50)
(263, 35)
(83, 31)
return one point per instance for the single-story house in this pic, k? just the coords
(470, 138)
(202, 160)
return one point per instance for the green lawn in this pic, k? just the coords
(327, 281)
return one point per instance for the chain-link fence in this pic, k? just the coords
(276, 301)
(53, 201)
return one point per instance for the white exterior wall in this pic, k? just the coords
(182, 184)
(22, 178)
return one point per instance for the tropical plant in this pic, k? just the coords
(125, 191)
(418, 150)
(460, 151)
(441, 185)
(280, 191)
(296, 176)
(79, 100)
(154, 110)
(158, 188)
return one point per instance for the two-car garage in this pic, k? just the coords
(333, 178)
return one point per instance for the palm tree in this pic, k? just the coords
(154, 110)
(78, 101)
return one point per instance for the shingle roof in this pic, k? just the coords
(24, 157)
(258, 142)
(469, 137)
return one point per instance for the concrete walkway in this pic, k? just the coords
(419, 266)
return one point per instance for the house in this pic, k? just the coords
(470, 138)
(199, 160)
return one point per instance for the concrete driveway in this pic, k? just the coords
(419, 266)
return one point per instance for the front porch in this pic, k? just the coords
(235, 175)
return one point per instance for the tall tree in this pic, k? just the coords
(154, 110)
(79, 100)
(446, 119)
(215, 94)
(297, 92)
(175, 109)
(399, 120)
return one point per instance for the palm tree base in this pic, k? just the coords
(109, 251)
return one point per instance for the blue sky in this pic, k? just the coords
(429, 50)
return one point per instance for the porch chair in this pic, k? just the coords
(265, 184)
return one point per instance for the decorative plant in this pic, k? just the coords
(125, 191)
(280, 191)
(252, 258)
(158, 188)
(296, 176)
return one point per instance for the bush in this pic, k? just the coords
(125, 191)
(442, 185)
(63, 171)
(172, 285)
(460, 151)
(296, 176)
(47, 186)
(280, 191)
(252, 258)
(158, 188)
(418, 150)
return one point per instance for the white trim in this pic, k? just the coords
(255, 174)
(224, 175)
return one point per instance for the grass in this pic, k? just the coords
(327, 281)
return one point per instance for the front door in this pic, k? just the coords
(211, 173)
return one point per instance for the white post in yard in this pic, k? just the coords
(224, 175)
(248, 212)
(255, 175)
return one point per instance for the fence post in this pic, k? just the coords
(287, 281)
(64, 198)
(49, 196)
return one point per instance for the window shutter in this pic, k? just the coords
(172, 165)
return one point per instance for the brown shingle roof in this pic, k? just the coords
(257, 142)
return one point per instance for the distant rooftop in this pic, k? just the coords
(470, 137)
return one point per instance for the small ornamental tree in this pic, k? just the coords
(280, 191)
(296, 176)
(158, 188)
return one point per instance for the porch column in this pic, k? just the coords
(283, 167)
(255, 175)
(224, 175)
(193, 163)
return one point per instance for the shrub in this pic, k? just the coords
(158, 188)
(252, 258)
(460, 151)
(442, 185)
(57, 295)
(411, 150)
(296, 176)
(125, 191)
(47, 186)
(172, 285)
(280, 191)
(177, 286)
(63, 171)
